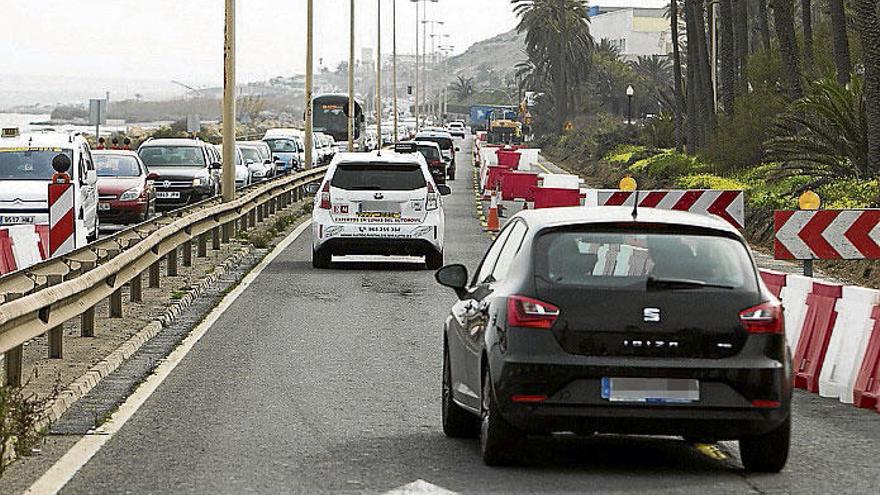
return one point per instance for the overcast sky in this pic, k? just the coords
(182, 39)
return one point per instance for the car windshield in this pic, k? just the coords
(379, 177)
(429, 152)
(251, 154)
(172, 156)
(28, 163)
(643, 260)
(445, 143)
(282, 145)
(116, 166)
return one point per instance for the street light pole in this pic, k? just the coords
(416, 100)
(228, 177)
(379, 71)
(310, 143)
(351, 112)
(629, 104)
(394, 62)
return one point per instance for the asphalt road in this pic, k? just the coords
(329, 381)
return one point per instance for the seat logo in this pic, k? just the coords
(166, 184)
(651, 315)
(379, 196)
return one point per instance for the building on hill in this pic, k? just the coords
(635, 27)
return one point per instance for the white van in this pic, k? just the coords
(26, 171)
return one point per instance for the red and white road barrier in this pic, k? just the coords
(22, 246)
(794, 297)
(848, 343)
(827, 234)
(819, 320)
(729, 205)
(62, 222)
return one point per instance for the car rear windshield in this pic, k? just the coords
(172, 156)
(643, 260)
(116, 166)
(378, 177)
(445, 143)
(429, 152)
(282, 145)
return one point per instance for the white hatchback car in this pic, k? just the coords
(380, 203)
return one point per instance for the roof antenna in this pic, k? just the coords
(635, 212)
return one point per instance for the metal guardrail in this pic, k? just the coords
(39, 299)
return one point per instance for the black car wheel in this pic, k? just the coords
(767, 453)
(457, 423)
(321, 258)
(499, 440)
(434, 260)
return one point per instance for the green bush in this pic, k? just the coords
(850, 193)
(738, 142)
(669, 165)
(622, 153)
(709, 181)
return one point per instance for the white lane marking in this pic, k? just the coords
(74, 459)
(420, 487)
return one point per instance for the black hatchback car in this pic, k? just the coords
(593, 320)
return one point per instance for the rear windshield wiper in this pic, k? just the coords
(682, 283)
(362, 187)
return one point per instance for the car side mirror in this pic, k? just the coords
(457, 148)
(444, 190)
(152, 176)
(249, 163)
(268, 162)
(216, 166)
(455, 277)
(312, 188)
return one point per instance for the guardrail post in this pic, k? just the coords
(55, 335)
(243, 222)
(215, 238)
(227, 231)
(202, 250)
(271, 206)
(171, 263)
(136, 288)
(12, 357)
(154, 275)
(188, 253)
(257, 215)
(116, 304)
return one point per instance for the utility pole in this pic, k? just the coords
(394, 62)
(416, 100)
(228, 176)
(379, 71)
(351, 112)
(310, 142)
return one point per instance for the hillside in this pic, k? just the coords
(490, 62)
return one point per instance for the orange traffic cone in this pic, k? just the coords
(492, 224)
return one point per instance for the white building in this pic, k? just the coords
(635, 27)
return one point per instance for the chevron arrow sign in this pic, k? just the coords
(725, 204)
(827, 234)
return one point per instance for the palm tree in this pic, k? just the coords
(840, 41)
(807, 23)
(462, 87)
(605, 50)
(728, 60)
(654, 68)
(783, 21)
(741, 33)
(559, 44)
(679, 106)
(764, 24)
(868, 26)
(698, 66)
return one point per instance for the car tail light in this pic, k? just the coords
(325, 196)
(763, 318)
(530, 313)
(433, 200)
(766, 404)
(436, 163)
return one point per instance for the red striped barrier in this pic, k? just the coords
(774, 281)
(815, 334)
(7, 256)
(62, 224)
(517, 185)
(729, 205)
(867, 386)
(826, 234)
(551, 197)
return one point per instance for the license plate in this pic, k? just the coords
(379, 207)
(167, 194)
(103, 206)
(651, 390)
(17, 219)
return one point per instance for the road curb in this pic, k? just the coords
(90, 379)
